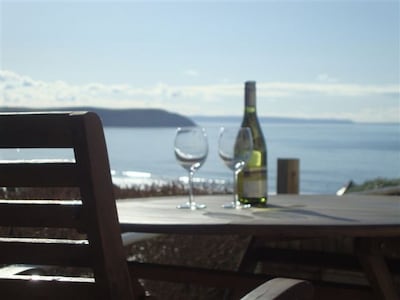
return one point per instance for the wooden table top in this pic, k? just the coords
(285, 215)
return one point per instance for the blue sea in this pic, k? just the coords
(330, 154)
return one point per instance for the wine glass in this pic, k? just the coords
(235, 146)
(191, 149)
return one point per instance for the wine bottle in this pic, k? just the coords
(252, 180)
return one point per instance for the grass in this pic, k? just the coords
(373, 184)
(139, 191)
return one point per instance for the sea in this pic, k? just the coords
(330, 154)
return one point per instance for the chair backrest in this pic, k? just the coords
(93, 216)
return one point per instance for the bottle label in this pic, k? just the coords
(254, 183)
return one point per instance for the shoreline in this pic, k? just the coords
(176, 187)
(151, 186)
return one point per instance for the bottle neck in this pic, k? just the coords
(250, 97)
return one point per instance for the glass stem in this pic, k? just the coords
(191, 187)
(235, 189)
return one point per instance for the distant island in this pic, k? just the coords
(122, 117)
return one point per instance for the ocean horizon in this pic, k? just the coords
(330, 153)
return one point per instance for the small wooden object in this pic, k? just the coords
(288, 176)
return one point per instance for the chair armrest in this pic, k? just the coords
(282, 289)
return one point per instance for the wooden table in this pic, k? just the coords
(365, 218)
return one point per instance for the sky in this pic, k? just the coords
(311, 59)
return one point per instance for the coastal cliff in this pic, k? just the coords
(122, 117)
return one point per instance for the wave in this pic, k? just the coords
(142, 180)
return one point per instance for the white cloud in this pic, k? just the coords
(348, 90)
(19, 90)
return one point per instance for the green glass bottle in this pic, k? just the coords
(252, 181)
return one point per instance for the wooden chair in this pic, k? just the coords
(93, 241)
(94, 217)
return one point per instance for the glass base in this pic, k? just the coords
(192, 206)
(234, 205)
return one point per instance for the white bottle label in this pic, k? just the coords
(254, 189)
(254, 183)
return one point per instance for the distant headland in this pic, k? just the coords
(122, 117)
(146, 117)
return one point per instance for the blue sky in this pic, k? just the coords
(313, 59)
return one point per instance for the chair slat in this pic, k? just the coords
(28, 213)
(39, 175)
(45, 252)
(22, 287)
(51, 131)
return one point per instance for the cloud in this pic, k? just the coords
(20, 90)
(347, 90)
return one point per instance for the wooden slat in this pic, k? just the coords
(45, 252)
(345, 292)
(47, 131)
(28, 213)
(39, 175)
(98, 199)
(22, 287)
(310, 258)
(194, 275)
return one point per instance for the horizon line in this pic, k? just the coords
(304, 119)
